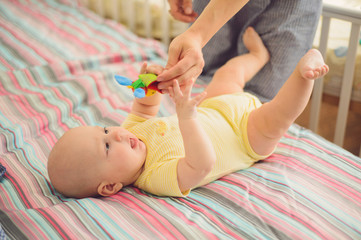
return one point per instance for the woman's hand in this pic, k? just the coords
(185, 60)
(182, 10)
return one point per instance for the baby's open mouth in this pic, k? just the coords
(133, 143)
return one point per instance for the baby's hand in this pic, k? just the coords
(185, 105)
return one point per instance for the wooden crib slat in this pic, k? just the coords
(165, 24)
(147, 19)
(129, 12)
(100, 8)
(353, 16)
(346, 88)
(318, 87)
(115, 7)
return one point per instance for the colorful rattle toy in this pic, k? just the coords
(146, 85)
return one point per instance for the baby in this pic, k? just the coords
(217, 132)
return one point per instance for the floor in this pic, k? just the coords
(328, 122)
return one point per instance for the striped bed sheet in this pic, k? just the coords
(57, 67)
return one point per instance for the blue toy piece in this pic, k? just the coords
(139, 93)
(123, 80)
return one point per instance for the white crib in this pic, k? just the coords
(352, 15)
(140, 14)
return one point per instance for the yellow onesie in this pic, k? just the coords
(224, 118)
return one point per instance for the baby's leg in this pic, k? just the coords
(267, 124)
(232, 76)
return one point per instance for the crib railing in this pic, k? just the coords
(125, 11)
(133, 13)
(353, 16)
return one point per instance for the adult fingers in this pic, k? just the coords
(193, 72)
(182, 17)
(188, 87)
(156, 69)
(182, 10)
(187, 6)
(175, 69)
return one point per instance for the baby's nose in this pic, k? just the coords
(117, 135)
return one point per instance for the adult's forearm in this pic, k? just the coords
(213, 17)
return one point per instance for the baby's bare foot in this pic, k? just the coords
(254, 44)
(312, 66)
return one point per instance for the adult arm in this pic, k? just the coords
(185, 60)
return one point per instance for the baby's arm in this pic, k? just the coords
(200, 156)
(148, 107)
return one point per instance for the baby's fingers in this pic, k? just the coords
(176, 89)
(173, 92)
(143, 69)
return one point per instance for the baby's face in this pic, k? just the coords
(89, 156)
(120, 153)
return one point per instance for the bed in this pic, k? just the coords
(58, 62)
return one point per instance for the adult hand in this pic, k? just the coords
(182, 10)
(185, 60)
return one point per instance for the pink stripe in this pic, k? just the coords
(14, 215)
(7, 195)
(312, 172)
(256, 210)
(277, 206)
(61, 33)
(27, 54)
(27, 110)
(38, 48)
(6, 64)
(103, 37)
(95, 220)
(43, 120)
(328, 181)
(54, 224)
(181, 215)
(326, 151)
(159, 223)
(18, 190)
(18, 182)
(209, 216)
(95, 35)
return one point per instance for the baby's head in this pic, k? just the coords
(91, 161)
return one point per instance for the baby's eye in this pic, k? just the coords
(106, 130)
(107, 146)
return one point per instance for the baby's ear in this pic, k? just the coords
(107, 189)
